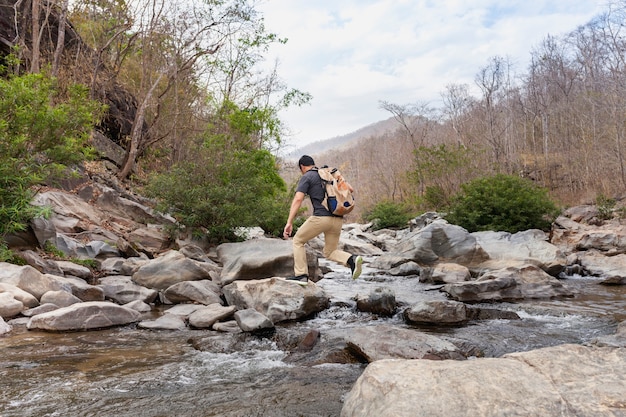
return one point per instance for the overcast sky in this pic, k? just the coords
(351, 54)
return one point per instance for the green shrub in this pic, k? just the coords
(502, 203)
(387, 214)
(223, 191)
(605, 206)
(42, 130)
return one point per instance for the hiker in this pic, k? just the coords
(322, 221)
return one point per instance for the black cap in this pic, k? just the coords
(306, 160)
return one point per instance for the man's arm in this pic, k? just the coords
(293, 212)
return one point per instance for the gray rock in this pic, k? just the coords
(167, 270)
(204, 292)
(206, 317)
(276, 298)
(59, 298)
(374, 343)
(441, 242)
(43, 308)
(380, 301)
(84, 316)
(436, 312)
(24, 297)
(9, 306)
(165, 322)
(4, 327)
(122, 290)
(542, 382)
(30, 280)
(527, 282)
(260, 258)
(250, 320)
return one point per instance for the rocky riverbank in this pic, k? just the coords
(144, 277)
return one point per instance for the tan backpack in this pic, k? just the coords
(339, 199)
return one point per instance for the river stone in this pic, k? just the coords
(277, 298)
(436, 312)
(542, 382)
(70, 268)
(139, 306)
(19, 294)
(441, 242)
(9, 306)
(122, 290)
(165, 322)
(29, 279)
(204, 292)
(445, 273)
(251, 320)
(206, 317)
(4, 327)
(43, 308)
(513, 283)
(260, 258)
(380, 301)
(528, 246)
(84, 316)
(167, 270)
(84, 291)
(59, 298)
(374, 343)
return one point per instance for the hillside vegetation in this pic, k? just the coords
(183, 95)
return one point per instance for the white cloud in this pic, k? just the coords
(350, 54)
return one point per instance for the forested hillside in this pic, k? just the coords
(197, 118)
(560, 122)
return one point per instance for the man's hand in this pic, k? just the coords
(287, 231)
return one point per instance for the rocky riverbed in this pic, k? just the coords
(169, 326)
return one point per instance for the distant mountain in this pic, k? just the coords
(339, 142)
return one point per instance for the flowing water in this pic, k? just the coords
(132, 372)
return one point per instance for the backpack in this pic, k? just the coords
(339, 199)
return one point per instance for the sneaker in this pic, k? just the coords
(300, 279)
(356, 266)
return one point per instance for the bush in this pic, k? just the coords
(42, 130)
(223, 191)
(387, 214)
(502, 203)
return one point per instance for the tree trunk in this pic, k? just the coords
(137, 133)
(60, 39)
(35, 51)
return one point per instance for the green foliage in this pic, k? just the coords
(502, 203)
(42, 130)
(224, 190)
(605, 206)
(388, 214)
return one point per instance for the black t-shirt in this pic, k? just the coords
(311, 185)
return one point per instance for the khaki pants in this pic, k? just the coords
(312, 227)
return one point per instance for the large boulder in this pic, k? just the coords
(513, 283)
(543, 382)
(276, 298)
(30, 280)
(122, 290)
(260, 258)
(527, 247)
(441, 242)
(169, 269)
(84, 316)
(9, 306)
(374, 343)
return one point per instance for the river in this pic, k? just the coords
(127, 371)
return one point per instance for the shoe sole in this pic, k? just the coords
(358, 266)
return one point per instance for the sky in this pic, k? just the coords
(352, 54)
